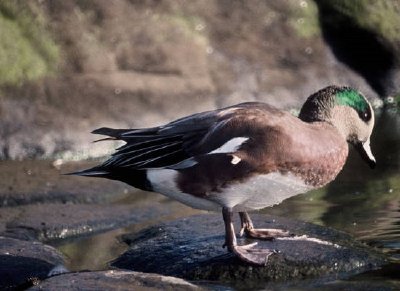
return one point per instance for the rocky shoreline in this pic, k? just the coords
(192, 243)
(133, 64)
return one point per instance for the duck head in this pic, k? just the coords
(347, 110)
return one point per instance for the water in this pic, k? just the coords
(361, 201)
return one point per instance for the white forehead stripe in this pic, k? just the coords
(230, 146)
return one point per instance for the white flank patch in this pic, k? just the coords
(235, 160)
(260, 191)
(255, 193)
(230, 146)
(164, 181)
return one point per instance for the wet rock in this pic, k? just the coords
(367, 285)
(194, 245)
(19, 272)
(25, 261)
(113, 279)
(39, 181)
(33, 190)
(34, 249)
(59, 221)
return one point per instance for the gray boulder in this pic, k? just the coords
(191, 248)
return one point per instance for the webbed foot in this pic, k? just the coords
(247, 253)
(250, 254)
(259, 233)
(264, 233)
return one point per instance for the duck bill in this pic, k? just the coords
(365, 152)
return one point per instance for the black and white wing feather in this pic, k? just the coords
(176, 144)
(150, 149)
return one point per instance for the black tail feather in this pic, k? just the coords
(135, 178)
(116, 133)
(127, 134)
(92, 172)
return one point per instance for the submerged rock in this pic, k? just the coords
(109, 280)
(191, 248)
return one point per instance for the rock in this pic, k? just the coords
(38, 202)
(39, 181)
(35, 190)
(24, 261)
(33, 249)
(19, 272)
(376, 39)
(113, 280)
(49, 222)
(194, 245)
(366, 285)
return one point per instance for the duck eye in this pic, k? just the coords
(365, 115)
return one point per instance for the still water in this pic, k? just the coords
(361, 201)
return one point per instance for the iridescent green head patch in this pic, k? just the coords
(318, 105)
(354, 99)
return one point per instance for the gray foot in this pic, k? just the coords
(250, 254)
(259, 233)
(247, 253)
(264, 233)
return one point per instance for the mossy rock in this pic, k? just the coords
(304, 19)
(381, 17)
(27, 51)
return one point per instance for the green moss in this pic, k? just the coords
(379, 16)
(27, 51)
(304, 18)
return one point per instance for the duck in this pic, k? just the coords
(244, 157)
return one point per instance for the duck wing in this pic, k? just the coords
(149, 148)
(175, 144)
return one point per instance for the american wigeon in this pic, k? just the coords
(244, 157)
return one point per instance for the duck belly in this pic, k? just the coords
(256, 192)
(261, 191)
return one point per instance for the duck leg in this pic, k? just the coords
(246, 253)
(260, 233)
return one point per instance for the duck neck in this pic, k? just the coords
(343, 119)
(326, 110)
